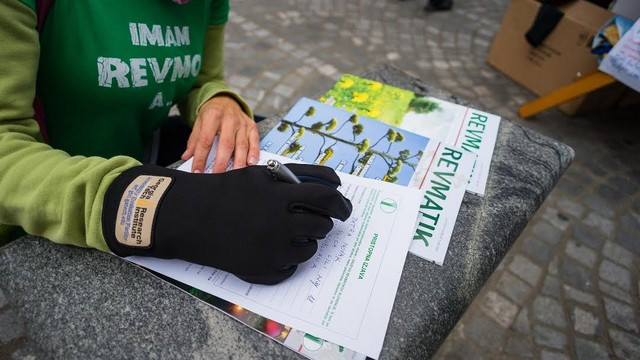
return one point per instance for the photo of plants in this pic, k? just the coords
(378, 101)
(316, 133)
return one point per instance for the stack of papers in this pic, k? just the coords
(405, 162)
(345, 293)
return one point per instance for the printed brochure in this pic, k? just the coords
(469, 129)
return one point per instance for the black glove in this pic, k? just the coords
(243, 221)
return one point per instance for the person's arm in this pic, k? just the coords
(213, 109)
(210, 80)
(44, 190)
(121, 206)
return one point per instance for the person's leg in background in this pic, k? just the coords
(438, 5)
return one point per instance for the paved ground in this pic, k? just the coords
(569, 288)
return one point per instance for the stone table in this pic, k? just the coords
(78, 303)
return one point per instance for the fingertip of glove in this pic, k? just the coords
(272, 278)
(343, 212)
(348, 209)
(330, 174)
(316, 180)
(316, 173)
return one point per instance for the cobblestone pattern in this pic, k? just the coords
(278, 51)
(569, 287)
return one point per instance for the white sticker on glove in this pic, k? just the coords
(137, 210)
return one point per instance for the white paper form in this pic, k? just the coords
(345, 293)
(623, 61)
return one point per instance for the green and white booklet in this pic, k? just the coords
(470, 129)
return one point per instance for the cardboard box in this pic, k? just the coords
(562, 57)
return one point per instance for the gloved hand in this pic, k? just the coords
(243, 221)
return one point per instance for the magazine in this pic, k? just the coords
(470, 129)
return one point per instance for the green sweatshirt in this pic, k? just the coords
(106, 72)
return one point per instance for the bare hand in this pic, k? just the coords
(238, 136)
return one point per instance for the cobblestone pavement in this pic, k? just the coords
(569, 286)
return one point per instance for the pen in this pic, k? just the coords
(281, 172)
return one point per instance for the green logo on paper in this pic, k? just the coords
(388, 205)
(312, 343)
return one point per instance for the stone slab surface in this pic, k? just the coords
(76, 302)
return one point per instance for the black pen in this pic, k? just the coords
(282, 172)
